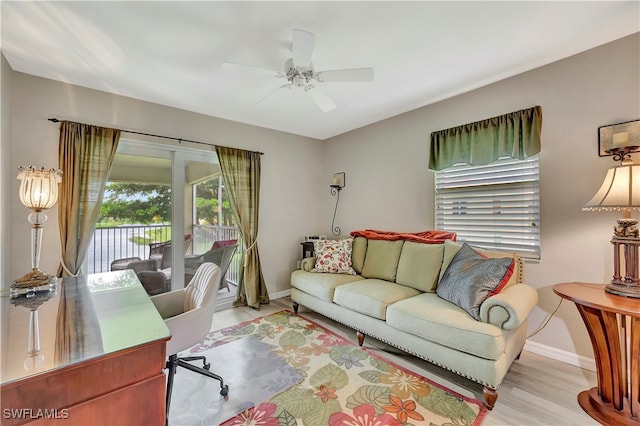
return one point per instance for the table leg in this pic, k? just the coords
(615, 400)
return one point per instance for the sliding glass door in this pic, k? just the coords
(151, 220)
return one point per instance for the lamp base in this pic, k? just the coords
(626, 258)
(623, 289)
(32, 281)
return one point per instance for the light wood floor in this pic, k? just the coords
(536, 391)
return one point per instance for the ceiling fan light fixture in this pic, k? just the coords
(300, 74)
(299, 80)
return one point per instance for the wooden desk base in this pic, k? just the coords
(123, 388)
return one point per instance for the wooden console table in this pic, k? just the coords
(613, 323)
(98, 358)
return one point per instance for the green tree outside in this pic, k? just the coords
(207, 204)
(136, 203)
(131, 203)
(140, 203)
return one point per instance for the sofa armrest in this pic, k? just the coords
(510, 308)
(308, 263)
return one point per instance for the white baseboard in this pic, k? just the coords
(228, 304)
(560, 355)
(280, 294)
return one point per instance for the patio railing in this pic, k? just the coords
(205, 235)
(118, 242)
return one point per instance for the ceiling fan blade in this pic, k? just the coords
(303, 42)
(288, 85)
(353, 74)
(248, 69)
(320, 98)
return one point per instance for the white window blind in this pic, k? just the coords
(495, 206)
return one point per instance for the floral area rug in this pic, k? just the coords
(343, 384)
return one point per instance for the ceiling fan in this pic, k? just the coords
(299, 72)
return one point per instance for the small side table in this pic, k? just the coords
(613, 323)
(307, 249)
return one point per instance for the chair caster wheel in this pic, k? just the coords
(207, 366)
(224, 391)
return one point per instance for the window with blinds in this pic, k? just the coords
(495, 206)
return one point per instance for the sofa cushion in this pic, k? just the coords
(470, 278)
(433, 318)
(450, 250)
(333, 256)
(359, 251)
(372, 296)
(320, 285)
(419, 265)
(381, 261)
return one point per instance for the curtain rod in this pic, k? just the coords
(180, 140)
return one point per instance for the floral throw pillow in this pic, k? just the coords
(333, 256)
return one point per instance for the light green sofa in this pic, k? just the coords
(392, 298)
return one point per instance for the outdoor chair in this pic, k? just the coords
(220, 253)
(165, 259)
(157, 251)
(134, 263)
(122, 264)
(154, 282)
(142, 265)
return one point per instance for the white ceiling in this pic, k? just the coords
(171, 52)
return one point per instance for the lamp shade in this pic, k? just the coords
(619, 191)
(38, 187)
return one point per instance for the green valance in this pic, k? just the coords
(515, 135)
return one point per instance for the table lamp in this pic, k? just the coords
(620, 191)
(38, 192)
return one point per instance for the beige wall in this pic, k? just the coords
(389, 186)
(5, 164)
(291, 165)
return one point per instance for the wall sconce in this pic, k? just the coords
(336, 186)
(620, 191)
(619, 140)
(38, 192)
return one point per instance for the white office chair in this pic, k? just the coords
(188, 314)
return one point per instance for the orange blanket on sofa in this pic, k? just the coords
(427, 237)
